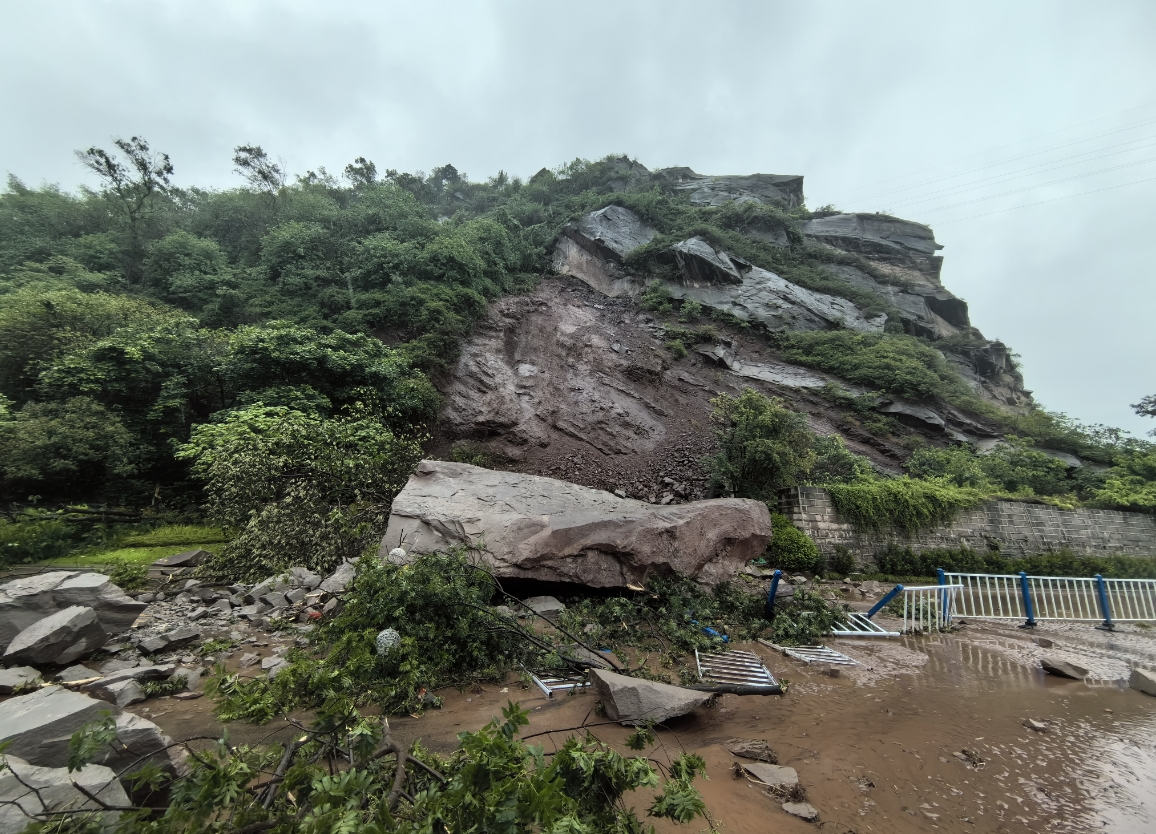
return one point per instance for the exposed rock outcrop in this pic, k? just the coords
(25, 601)
(902, 243)
(706, 190)
(539, 528)
(593, 247)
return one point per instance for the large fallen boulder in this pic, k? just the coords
(29, 599)
(29, 793)
(58, 639)
(531, 527)
(635, 701)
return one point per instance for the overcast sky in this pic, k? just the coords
(960, 115)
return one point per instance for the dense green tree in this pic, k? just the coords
(765, 446)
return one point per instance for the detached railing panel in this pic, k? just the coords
(929, 608)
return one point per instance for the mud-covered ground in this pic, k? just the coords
(880, 747)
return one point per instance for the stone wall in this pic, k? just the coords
(1018, 528)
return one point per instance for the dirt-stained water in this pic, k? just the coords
(880, 747)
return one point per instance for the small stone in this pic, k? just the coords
(159, 597)
(802, 810)
(196, 614)
(773, 775)
(295, 596)
(1038, 726)
(1063, 669)
(247, 660)
(224, 605)
(192, 583)
(17, 676)
(146, 598)
(1043, 642)
(545, 606)
(187, 696)
(752, 748)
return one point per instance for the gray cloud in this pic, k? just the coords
(847, 93)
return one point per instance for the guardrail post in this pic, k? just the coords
(1025, 588)
(1105, 609)
(769, 608)
(890, 595)
(944, 616)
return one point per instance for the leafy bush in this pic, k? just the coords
(301, 489)
(689, 310)
(129, 576)
(806, 619)
(904, 504)
(34, 541)
(657, 298)
(1011, 467)
(842, 561)
(765, 446)
(676, 347)
(1131, 483)
(791, 549)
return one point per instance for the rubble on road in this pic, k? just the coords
(634, 701)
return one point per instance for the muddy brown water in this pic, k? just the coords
(875, 748)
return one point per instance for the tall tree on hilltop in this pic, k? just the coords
(135, 183)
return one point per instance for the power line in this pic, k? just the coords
(1041, 202)
(986, 182)
(1013, 159)
(1001, 147)
(1044, 185)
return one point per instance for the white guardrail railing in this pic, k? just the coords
(929, 608)
(1032, 598)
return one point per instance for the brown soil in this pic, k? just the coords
(878, 747)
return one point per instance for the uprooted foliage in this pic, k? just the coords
(346, 773)
(451, 636)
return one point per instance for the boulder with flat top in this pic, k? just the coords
(530, 527)
(58, 639)
(634, 701)
(29, 599)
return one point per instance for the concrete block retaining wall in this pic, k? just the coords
(1018, 528)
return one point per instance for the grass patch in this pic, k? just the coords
(172, 534)
(903, 504)
(130, 555)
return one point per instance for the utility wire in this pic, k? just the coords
(1013, 159)
(999, 148)
(1041, 202)
(987, 181)
(1044, 185)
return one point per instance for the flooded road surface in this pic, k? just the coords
(880, 748)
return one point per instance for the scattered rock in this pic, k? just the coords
(196, 614)
(1143, 680)
(26, 789)
(78, 672)
(752, 748)
(1043, 642)
(545, 606)
(1062, 668)
(550, 530)
(339, 580)
(273, 665)
(187, 696)
(773, 775)
(187, 559)
(634, 701)
(120, 692)
(247, 660)
(59, 638)
(224, 605)
(191, 677)
(802, 810)
(15, 677)
(139, 673)
(1038, 726)
(27, 600)
(39, 725)
(304, 578)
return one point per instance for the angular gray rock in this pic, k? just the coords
(339, 580)
(139, 741)
(773, 775)
(25, 601)
(122, 692)
(593, 248)
(39, 725)
(170, 640)
(635, 702)
(550, 530)
(26, 790)
(1063, 668)
(187, 559)
(546, 606)
(1143, 680)
(702, 265)
(752, 748)
(802, 810)
(59, 638)
(151, 672)
(78, 672)
(15, 677)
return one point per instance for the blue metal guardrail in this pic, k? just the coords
(1033, 598)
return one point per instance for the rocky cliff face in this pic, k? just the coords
(572, 381)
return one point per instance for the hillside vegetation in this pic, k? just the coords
(261, 357)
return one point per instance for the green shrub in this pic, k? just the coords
(765, 446)
(129, 576)
(841, 562)
(676, 347)
(34, 541)
(791, 549)
(903, 504)
(657, 298)
(689, 310)
(902, 561)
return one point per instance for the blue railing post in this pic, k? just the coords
(890, 595)
(1105, 609)
(1025, 588)
(769, 609)
(944, 614)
